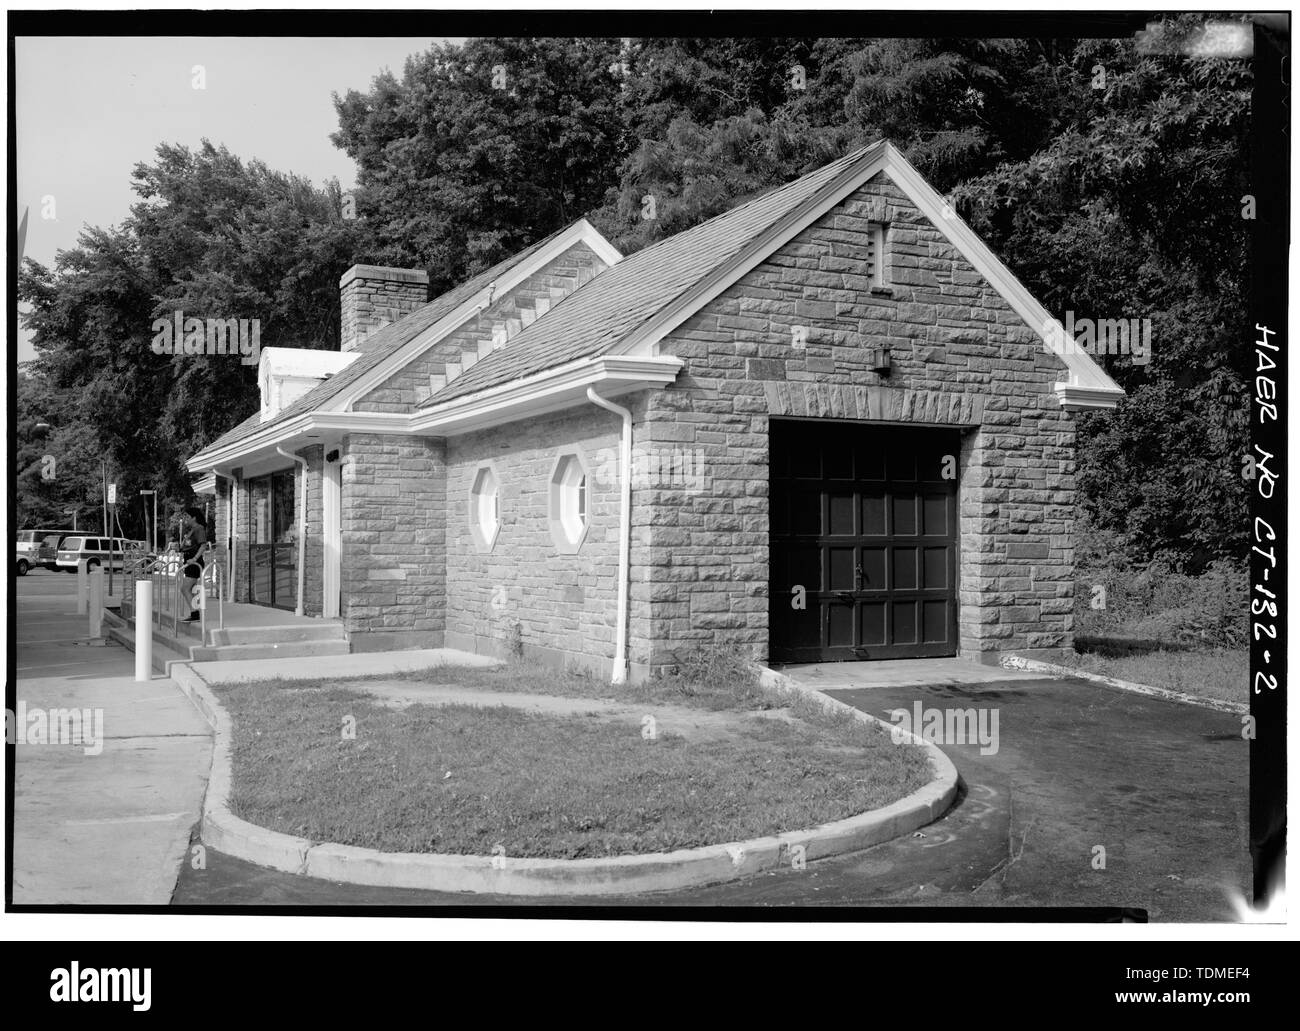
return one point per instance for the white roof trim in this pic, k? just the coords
(1090, 387)
(549, 391)
(581, 231)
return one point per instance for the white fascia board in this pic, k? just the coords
(549, 391)
(1075, 397)
(581, 231)
(304, 427)
(1084, 373)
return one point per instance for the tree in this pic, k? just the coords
(482, 149)
(211, 237)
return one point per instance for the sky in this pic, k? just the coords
(89, 108)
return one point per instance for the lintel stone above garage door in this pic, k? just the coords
(877, 403)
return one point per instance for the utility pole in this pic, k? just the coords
(152, 536)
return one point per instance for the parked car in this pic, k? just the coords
(95, 550)
(38, 548)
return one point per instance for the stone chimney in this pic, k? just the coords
(373, 296)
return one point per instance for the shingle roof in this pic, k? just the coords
(592, 319)
(378, 346)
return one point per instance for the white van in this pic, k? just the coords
(95, 551)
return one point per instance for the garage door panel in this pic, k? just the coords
(803, 568)
(841, 566)
(804, 624)
(839, 515)
(837, 461)
(936, 518)
(806, 513)
(874, 523)
(871, 619)
(935, 566)
(839, 626)
(904, 622)
(863, 518)
(905, 574)
(870, 464)
(874, 577)
(903, 507)
(934, 621)
(901, 465)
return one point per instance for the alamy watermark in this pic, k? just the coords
(947, 726)
(178, 334)
(1100, 336)
(656, 468)
(36, 726)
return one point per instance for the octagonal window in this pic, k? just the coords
(485, 507)
(570, 502)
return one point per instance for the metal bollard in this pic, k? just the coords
(96, 577)
(143, 630)
(83, 587)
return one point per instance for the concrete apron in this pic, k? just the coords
(841, 676)
(502, 875)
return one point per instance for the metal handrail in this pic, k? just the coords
(166, 571)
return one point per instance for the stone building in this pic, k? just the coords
(827, 424)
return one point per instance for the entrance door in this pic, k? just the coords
(863, 541)
(273, 549)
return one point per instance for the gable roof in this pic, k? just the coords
(653, 291)
(604, 332)
(590, 321)
(379, 346)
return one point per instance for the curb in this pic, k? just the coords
(615, 875)
(1034, 665)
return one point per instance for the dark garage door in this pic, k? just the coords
(864, 521)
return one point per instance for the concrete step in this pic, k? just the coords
(270, 650)
(166, 650)
(289, 632)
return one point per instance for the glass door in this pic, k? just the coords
(273, 548)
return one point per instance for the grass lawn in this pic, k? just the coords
(1220, 673)
(464, 779)
(729, 689)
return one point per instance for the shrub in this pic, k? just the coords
(718, 670)
(1157, 603)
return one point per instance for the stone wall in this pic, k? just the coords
(310, 483)
(373, 296)
(394, 556)
(802, 335)
(559, 608)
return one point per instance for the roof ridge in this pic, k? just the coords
(767, 194)
(541, 340)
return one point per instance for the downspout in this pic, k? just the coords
(302, 525)
(624, 533)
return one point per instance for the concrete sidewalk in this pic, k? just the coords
(106, 822)
(844, 676)
(337, 667)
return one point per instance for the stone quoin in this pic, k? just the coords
(823, 425)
